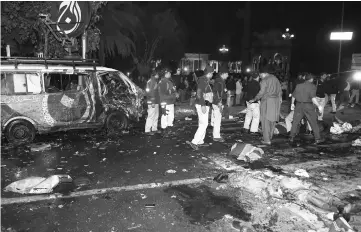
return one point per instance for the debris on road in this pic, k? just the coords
(143, 196)
(188, 119)
(339, 128)
(357, 142)
(184, 170)
(79, 153)
(35, 147)
(171, 171)
(302, 173)
(37, 185)
(246, 152)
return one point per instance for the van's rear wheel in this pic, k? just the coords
(116, 122)
(20, 132)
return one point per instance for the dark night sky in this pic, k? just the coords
(211, 24)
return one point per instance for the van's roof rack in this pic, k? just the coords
(36, 60)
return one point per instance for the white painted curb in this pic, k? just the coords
(27, 199)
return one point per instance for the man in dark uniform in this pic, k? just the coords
(305, 95)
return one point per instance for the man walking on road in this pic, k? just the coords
(218, 90)
(321, 94)
(331, 92)
(355, 92)
(305, 95)
(167, 95)
(271, 99)
(151, 124)
(239, 88)
(253, 110)
(204, 99)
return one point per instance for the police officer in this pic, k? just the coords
(151, 124)
(305, 95)
(168, 96)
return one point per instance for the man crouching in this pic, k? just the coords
(204, 99)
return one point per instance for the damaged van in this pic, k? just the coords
(42, 96)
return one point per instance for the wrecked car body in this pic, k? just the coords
(41, 97)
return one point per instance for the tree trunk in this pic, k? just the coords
(246, 34)
(46, 42)
(101, 52)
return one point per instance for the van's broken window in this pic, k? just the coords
(20, 83)
(59, 82)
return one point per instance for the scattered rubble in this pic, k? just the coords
(36, 147)
(339, 128)
(302, 173)
(357, 142)
(246, 152)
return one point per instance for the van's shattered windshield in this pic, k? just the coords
(120, 93)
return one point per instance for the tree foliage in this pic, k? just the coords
(116, 28)
(160, 37)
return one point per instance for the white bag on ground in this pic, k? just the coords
(37, 185)
(246, 152)
(338, 128)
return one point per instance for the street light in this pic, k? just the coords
(341, 36)
(223, 49)
(287, 35)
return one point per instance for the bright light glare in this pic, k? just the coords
(341, 36)
(283, 35)
(128, 73)
(357, 76)
(186, 69)
(248, 70)
(287, 29)
(292, 35)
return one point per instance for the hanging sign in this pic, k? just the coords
(71, 17)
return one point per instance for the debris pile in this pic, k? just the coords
(246, 152)
(339, 128)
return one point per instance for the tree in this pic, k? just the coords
(115, 28)
(159, 37)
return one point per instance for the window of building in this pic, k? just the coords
(20, 83)
(59, 82)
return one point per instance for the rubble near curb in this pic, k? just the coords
(292, 193)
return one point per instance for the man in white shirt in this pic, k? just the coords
(239, 88)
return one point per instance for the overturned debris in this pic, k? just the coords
(246, 152)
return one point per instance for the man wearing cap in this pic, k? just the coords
(151, 124)
(305, 95)
(204, 99)
(167, 95)
(271, 99)
(217, 107)
(253, 110)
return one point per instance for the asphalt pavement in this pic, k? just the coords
(119, 180)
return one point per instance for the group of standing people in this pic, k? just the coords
(160, 92)
(263, 99)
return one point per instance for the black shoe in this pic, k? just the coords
(244, 130)
(193, 146)
(333, 112)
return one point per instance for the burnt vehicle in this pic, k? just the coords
(42, 96)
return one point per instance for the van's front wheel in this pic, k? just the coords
(20, 132)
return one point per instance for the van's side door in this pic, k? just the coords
(69, 98)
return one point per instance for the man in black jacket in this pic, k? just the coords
(253, 110)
